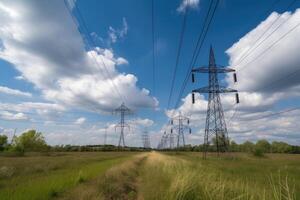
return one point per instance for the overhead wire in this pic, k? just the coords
(266, 50)
(257, 42)
(272, 45)
(153, 49)
(91, 45)
(180, 44)
(200, 41)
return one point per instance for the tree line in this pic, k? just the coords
(33, 141)
(260, 147)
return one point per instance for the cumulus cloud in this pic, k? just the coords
(116, 34)
(188, 4)
(80, 120)
(14, 92)
(254, 117)
(52, 57)
(46, 110)
(5, 115)
(142, 122)
(257, 73)
(95, 134)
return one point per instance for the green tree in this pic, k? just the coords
(234, 147)
(247, 146)
(30, 141)
(3, 142)
(263, 145)
(280, 147)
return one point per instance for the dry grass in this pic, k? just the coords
(171, 177)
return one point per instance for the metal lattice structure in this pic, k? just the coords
(180, 123)
(167, 141)
(215, 122)
(146, 140)
(123, 110)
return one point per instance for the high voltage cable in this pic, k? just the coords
(275, 114)
(153, 48)
(200, 41)
(90, 39)
(194, 60)
(272, 45)
(266, 50)
(181, 37)
(198, 47)
(256, 44)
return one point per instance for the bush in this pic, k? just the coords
(258, 152)
(29, 141)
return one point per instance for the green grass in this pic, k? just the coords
(69, 171)
(118, 182)
(150, 176)
(188, 176)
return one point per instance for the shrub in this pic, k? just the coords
(258, 152)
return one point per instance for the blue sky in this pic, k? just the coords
(50, 81)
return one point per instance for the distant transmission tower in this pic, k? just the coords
(105, 136)
(215, 122)
(180, 123)
(171, 136)
(123, 110)
(146, 139)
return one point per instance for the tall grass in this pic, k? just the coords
(118, 183)
(179, 179)
(49, 184)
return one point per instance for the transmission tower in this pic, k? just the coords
(146, 140)
(105, 136)
(215, 123)
(171, 138)
(181, 124)
(123, 110)
(163, 144)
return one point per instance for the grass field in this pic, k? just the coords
(153, 175)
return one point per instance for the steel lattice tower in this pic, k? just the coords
(180, 123)
(215, 122)
(146, 140)
(123, 110)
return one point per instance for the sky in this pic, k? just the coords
(66, 65)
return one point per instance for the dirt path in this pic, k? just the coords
(119, 182)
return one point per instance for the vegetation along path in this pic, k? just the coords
(156, 176)
(46, 177)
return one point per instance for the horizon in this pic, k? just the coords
(66, 65)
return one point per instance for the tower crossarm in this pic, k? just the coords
(213, 69)
(119, 125)
(220, 89)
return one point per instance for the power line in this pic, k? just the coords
(202, 35)
(90, 39)
(275, 114)
(272, 45)
(153, 48)
(178, 54)
(198, 47)
(256, 44)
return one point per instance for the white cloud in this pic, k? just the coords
(94, 134)
(246, 121)
(142, 122)
(46, 110)
(14, 92)
(276, 63)
(188, 4)
(80, 120)
(13, 116)
(115, 34)
(52, 56)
